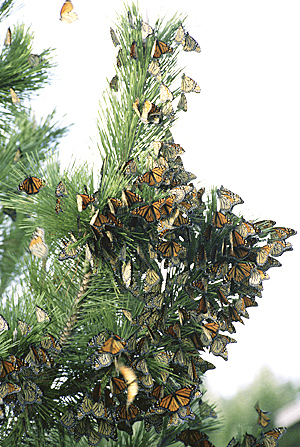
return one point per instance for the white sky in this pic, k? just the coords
(242, 132)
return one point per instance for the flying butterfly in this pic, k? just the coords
(4, 326)
(67, 15)
(228, 199)
(37, 245)
(14, 97)
(41, 315)
(114, 83)
(131, 382)
(263, 419)
(181, 398)
(160, 48)
(190, 44)
(31, 185)
(189, 85)
(69, 251)
(182, 103)
(147, 30)
(7, 40)
(133, 51)
(114, 37)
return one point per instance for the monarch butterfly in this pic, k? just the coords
(271, 262)
(37, 244)
(219, 220)
(128, 414)
(281, 233)
(218, 345)
(246, 229)
(8, 388)
(181, 398)
(4, 326)
(85, 407)
(160, 48)
(114, 83)
(131, 382)
(182, 103)
(114, 205)
(191, 437)
(279, 247)
(147, 381)
(59, 206)
(38, 356)
(263, 254)
(7, 40)
(263, 419)
(189, 85)
(31, 185)
(100, 360)
(167, 108)
(168, 249)
(234, 443)
(133, 50)
(120, 58)
(41, 315)
(14, 97)
(165, 93)
(270, 438)
(61, 190)
(180, 35)
(256, 277)
(147, 30)
(153, 177)
(154, 69)
(114, 37)
(30, 394)
(190, 44)
(117, 385)
(67, 14)
(114, 345)
(51, 344)
(130, 167)
(98, 340)
(239, 272)
(107, 430)
(68, 419)
(24, 327)
(238, 249)
(6, 368)
(34, 60)
(151, 213)
(83, 200)
(129, 198)
(69, 252)
(228, 199)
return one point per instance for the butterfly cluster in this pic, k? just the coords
(22, 377)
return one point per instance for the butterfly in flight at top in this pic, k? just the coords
(67, 14)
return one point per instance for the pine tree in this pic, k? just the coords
(127, 285)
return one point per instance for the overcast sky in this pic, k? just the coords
(242, 132)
